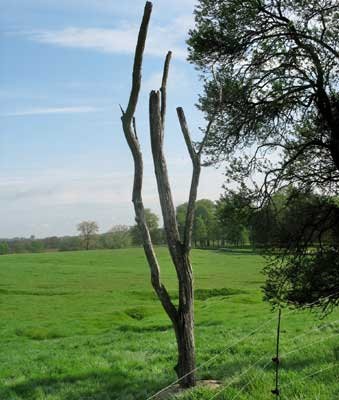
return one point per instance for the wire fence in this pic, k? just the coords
(269, 362)
(259, 328)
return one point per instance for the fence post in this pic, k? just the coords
(276, 360)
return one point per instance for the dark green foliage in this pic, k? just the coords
(304, 280)
(301, 238)
(4, 248)
(117, 237)
(70, 243)
(295, 221)
(233, 213)
(204, 294)
(206, 229)
(153, 225)
(271, 82)
(36, 246)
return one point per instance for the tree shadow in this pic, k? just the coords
(95, 385)
(297, 365)
(238, 252)
(119, 383)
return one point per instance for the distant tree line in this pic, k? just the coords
(231, 221)
(119, 236)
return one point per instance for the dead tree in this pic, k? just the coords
(182, 315)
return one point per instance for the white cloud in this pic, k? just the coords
(51, 110)
(120, 40)
(61, 198)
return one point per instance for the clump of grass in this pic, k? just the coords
(204, 294)
(38, 333)
(34, 292)
(136, 313)
(145, 328)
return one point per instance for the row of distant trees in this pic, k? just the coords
(229, 221)
(118, 237)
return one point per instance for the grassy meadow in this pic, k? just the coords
(86, 325)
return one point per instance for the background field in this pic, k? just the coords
(86, 325)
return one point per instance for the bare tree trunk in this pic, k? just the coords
(184, 323)
(184, 328)
(182, 316)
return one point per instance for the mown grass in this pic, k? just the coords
(87, 325)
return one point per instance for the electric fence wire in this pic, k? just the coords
(297, 337)
(317, 328)
(251, 380)
(242, 374)
(291, 381)
(212, 358)
(260, 327)
(265, 366)
(319, 371)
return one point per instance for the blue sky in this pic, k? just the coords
(65, 67)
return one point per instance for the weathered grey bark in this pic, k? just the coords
(182, 316)
(128, 123)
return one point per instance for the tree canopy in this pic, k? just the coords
(153, 225)
(272, 83)
(87, 230)
(271, 70)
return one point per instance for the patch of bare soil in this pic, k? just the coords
(176, 390)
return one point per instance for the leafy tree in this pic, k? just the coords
(153, 224)
(204, 225)
(181, 211)
(52, 242)
(310, 279)
(36, 246)
(274, 88)
(118, 237)
(88, 230)
(200, 231)
(17, 246)
(4, 249)
(159, 236)
(233, 214)
(271, 86)
(205, 209)
(300, 234)
(70, 243)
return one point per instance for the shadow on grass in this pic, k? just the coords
(300, 364)
(12, 292)
(127, 385)
(96, 385)
(238, 252)
(141, 329)
(109, 385)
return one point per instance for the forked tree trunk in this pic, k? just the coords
(182, 316)
(184, 330)
(179, 251)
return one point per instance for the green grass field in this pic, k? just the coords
(86, 325)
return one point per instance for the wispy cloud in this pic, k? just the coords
(119, 40)
(51, 110)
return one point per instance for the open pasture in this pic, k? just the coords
(86, 325)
